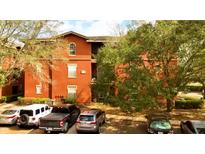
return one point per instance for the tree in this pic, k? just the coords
(159, 60)
(22, 45)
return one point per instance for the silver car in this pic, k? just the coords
(90, 121)
(9, 116)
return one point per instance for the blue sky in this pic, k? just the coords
(94, 27)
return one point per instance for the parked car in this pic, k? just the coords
(9, 116)
(29, 115)
(192, 127)
(60, 119)
(159, 124)
(90, 121)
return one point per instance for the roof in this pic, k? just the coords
(71, 32)
(88, 38)
(62, 105)
(198, 123)
(155, 116)
(35, 106)
(100, 38)
(90, 111)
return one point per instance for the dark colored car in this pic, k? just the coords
(192, 127)
(60, 119)
(159, 124)
(90, 121)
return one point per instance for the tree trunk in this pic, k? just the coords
(170, 105)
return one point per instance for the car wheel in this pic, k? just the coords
(24, 119)
(19, 126)
(66, 128)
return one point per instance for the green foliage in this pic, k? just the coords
(70, 100)
(189, 104)
(31, 100)
(21, 46)
(148, 53)
(10, 98)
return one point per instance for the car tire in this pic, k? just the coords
(24, 119)
(65, 128)
(47, 132)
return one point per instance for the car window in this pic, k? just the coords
(42, 109)
(37, 111)
(72, 108)
(9, 112)
(160, 124)
(47, 107)
(86, 117)
(201, 130)
(60, 110)
(28, 112)
(189, 125)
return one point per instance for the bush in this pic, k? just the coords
(31, 100)
(10, 98)
(189, 104)
(69, 100)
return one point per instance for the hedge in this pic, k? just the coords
(189, 104)
(31, 100)
(9, 98)
(69, 100)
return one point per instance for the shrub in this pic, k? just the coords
(10, 98)
(69, 100)
(189, 104)
(31, 100)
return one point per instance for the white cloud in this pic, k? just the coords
(91, 28)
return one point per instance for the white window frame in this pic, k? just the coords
(70, 50)
(75, 90)
(40, 89)
(72, 76)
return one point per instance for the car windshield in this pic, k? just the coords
(201, 130)
(160, 124)
(28, 112)
(86, 118)
(9, 112)
(60, 110)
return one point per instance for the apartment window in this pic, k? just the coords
(72, 70)
(38, 89)
(72, 49)
(72, 91)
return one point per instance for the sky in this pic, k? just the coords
(94, 27)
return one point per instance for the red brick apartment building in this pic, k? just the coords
(69, 76)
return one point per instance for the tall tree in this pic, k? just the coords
(22, 45)
(159, 60)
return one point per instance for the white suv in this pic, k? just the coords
(29, 115)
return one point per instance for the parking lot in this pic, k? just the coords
(117, 122)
